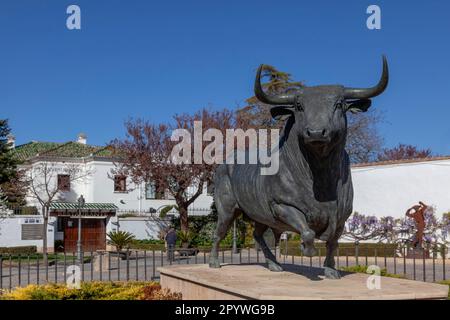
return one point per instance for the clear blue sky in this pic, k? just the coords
(152, 59)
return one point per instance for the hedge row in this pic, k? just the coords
(92, 291)
(345, 249)
(25, 250)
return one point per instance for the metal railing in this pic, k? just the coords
(142, 265)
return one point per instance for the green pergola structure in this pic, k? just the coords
(87, 210)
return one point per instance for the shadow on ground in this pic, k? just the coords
(312, 273)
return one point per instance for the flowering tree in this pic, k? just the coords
(360, 227)
(445, 229)
(404, 152)
(388, 229)
(145, 152)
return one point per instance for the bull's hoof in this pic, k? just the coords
(331, 273)
(274, 266)
(214, 263)
(308, 250)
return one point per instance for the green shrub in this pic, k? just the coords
(25, 210)
(92, 291)
(447, 282)
(295, 237)
(346, 249)
(186, 236)
(120, 239)
(23, 250)
(147, 244)
(163, 212)
(129, 215)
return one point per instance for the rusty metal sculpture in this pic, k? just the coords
(417, 212)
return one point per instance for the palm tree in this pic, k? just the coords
(120, 239)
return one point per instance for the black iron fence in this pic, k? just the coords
(428, 265)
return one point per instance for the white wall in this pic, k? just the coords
(99, 187)
(77, 187)
(383, 190)
(11, 232)
(143, 228)
(102, 190)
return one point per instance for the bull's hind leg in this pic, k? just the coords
(271, 260)
(227, 212)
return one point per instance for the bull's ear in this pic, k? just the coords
(359, 105)
(281, 112)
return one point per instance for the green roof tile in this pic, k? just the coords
(86, 206)
(61, 150)
(30, 150)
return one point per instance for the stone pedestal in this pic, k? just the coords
(231, 282)
(101, 261)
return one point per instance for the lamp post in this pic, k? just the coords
(81, 203)
(234, 237)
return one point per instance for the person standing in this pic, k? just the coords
(171, 240)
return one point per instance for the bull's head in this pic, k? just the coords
(318, 114)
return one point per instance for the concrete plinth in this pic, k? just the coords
(101, 261)
(231, 282)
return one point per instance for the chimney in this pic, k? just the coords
(82, 138)
(11, 140)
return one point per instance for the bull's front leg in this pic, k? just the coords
(329, 263)
(297, 220)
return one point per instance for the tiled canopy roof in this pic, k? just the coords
(87, 206)
(61, 150)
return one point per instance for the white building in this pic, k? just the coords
(390, 188)
(107, 197)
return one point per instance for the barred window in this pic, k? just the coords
(63, 182)
(120, 184)
(152, 191)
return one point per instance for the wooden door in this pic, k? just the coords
(93, 234)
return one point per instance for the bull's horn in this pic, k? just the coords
(280, 99)
(366, 93)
